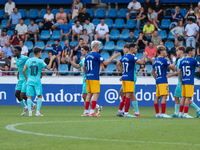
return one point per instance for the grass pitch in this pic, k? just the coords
(62, 128)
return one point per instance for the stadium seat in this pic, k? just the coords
(136, 33)
(62, 44)
(139, 55)
(165, 23)
(31, 55)
(39, 44)
(72, 22)
(45, 35)
(109, 22)
(44, 55)
(110, 69)
(96, 22)
(119, 23)
(125, 35)
(137, 67)
(114, 35)
(4, 23)
(109, 46)
(91, 12)
(171, 36)
(10, 32)
(63, 68)
(169, 45)
(55, 11)
(42, 13)
(23, 13)
(149, 69)
(33, 13)
(27, 22)
(118, 58)
(101, 46)
(122, 13)
(130, 24)
(1, 13)
(112, 13)
(120, 45)
(73, 43)
(162, 34)
(172, 10)
(105, 56)
(67, 11)
(29, 45)
(74, 72)
(49, 48)
(101, 13)
(183, 11)
(56, 34)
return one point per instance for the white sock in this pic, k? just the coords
(176, 113)
(119, 111)
(198, 109)
(180, 113)
(97, 106)
(185, 113)
(137, 112)
(37, 112)
(91, 111)
(125, 113)
(86, 111)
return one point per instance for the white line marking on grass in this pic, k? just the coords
(12, 128)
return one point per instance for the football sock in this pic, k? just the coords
(23, 103)
(121, 105)
(135, 106)
(39, 104)
(29, 101)
(87, 105)
(177, 108)
(127, 104)
(163, 108)
(93, 104)
(195, 106)
(186, 110)
(156, 106)
(181, 109)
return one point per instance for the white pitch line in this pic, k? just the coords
(12, 128)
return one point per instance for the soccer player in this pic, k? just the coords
(34, 68)
(159, 72)
(20, 89)
(91, 68)
(186, 75)
(128, 62)
(84, 52)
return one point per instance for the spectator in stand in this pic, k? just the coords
(153, 17)
(197, 13)
(80, 5)
(3, 37)
(83, 16)
(1, 29)
(76, 9)
(65, 30)
(24, 48)
(147, 4)
(191, 31)
(55, 73)
(131, 38)
(141, 41)
(176, 16)
(76, 30)
(59, 18)
(142, 71)
(48, 20)
(0, 50)
(158, 8)
(156, 39)
(173, 49)
(90, 29)
(13, 65)
(84, 36)
(67, 52)
(141, 18)
(102, 31)
(77, 51)
(15, 16)
(9, 6)
(57, 50)
(133, 8)
(7, 73)
(179, 31)
(151, 52)
(47, 60)
(8, 49)
(21, 28)
(163, 44)
(148, 29)
(198, 44)
(116, 72)
(15, 38)
(33, 31)
(190, 14)
(4, 61)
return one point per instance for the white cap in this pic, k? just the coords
(198, 3)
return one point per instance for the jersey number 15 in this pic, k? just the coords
(186, 71)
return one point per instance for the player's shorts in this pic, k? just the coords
(93, 86)
(188, 90)
(134, 87)
(84, 86)
(178, 91)
(21, 86)
(31, 90)
(162, 89)
(128, 86)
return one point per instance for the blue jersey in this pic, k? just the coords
(178, 63)
(81, 64)
(93, 61)
(128, 61)
(56, 49)
(160, 65)
(34, 68)
(135, 71)
(187, 66)
(20, 62)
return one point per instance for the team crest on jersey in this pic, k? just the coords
(197, 62)
(101, 58)
(135, 58)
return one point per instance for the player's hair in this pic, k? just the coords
(18, 48)
(86, 48)
(160, 48)
(126, 45)
(57, 40)
(189, 19)
(189, 48)
(37, 50)
(181, 48)
(80, 39)
(132, 45)
(95, 44)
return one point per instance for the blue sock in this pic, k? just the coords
(194, 105)
(23, 103)
(90, 104)
(135, 106)
(29, 101)
(39, 104)
(177, 108)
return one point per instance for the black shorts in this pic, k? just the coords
(31, 35)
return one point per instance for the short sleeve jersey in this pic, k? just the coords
(178, 64)
(20, 62)
(135, 71)
(34, 68)
(56, 49)
(93, 61)
(128, 61)
(66, 50)
(187, 66)
(160, 65)
(81, 64)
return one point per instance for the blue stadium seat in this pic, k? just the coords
(74, 72)
(101, 13)
(29, 45)
(162, 34)
(45, 35)
(120, 45)
(10, 32)
(23, 13)
(63, 67)
(172, 10)
(33, 13)
(42, 13)
(119, 23)
(118, 58)
(72, 22)
(44, 55)
(130, 24)
(109, 22)
(4, 23)
(137, 67)
(149, 69)
(39, 44)
(171, 36)
(169, 45)
(139, 55)
(114, 34)
(110, 69)
(73, 43)
(125, 34)
(67, 11)
(2, 12)
(27, 22)
(62, 44)
(136, 33)
(31, 55)
(122, 13)
(96, 22)
(91, 12)
(112, 13)
(109, 46)
(165, 23)
(56, 34)
(105, 55)
(101, 46)
(49, 48)
(183, 11)
(55, 11)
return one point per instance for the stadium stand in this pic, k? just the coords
(56, 34)
(39, 44)
(27, 22)
(4, 23)
(29, 45)
(125, 34)
(45, 35)
(105, 55)
(109, 46)
(120, 45)
(33, 13)
(122, 13)
(119, 24)
(112, 13)
(63, 68)
(169, 45)
(130, 24)
(2, 12)
(91, 12)
(49, 48)
(101, 13)
(114, 35)
(109, 22)
(110, 69)
(42, 13)
(23, 13)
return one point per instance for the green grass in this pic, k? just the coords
(146, 132)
